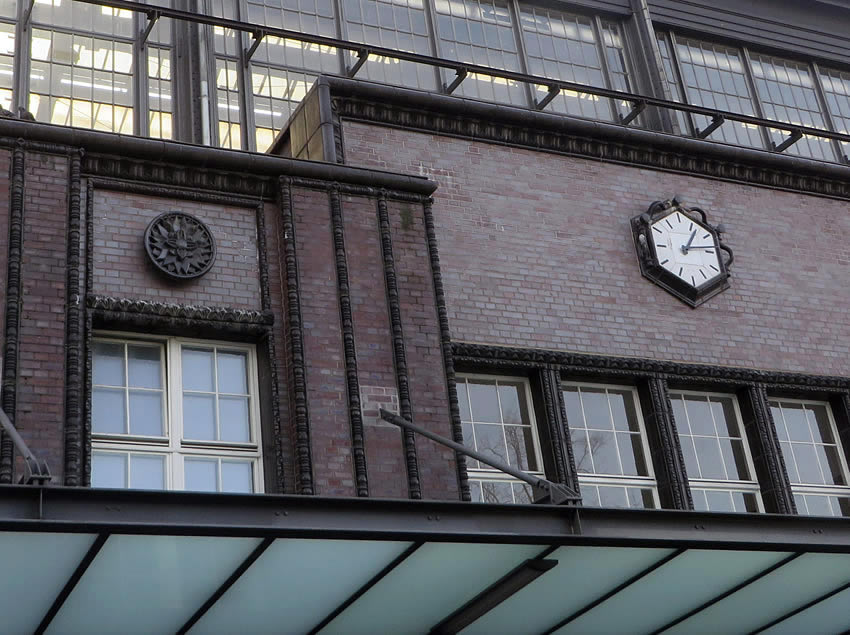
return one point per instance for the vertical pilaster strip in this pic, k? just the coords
(74, 332)
(85, 439)
(446, 344)
(414, 485)
(556, 414)
(767, 453)
(297, 364)
(13, 306)
(266, 305)
(667, 453)
(355, 413)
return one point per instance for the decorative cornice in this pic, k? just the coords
(123, 308)
(518, 127)
(414, 486)
(14, 304)
(355, 412)
(678, 372)
(357, 190)
(176, 192)
(74, 344)
(295, 342)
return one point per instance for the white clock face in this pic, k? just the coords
(686, 249)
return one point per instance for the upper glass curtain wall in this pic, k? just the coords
(749, 83)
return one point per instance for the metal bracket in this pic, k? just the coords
(28, 13)
(637, 108)
(790, 141)
(258, 36)
(716, 122)
(362, 56)
(37, 471)
(553, 92)
(545, 492)
(153, 16)
(461, 74)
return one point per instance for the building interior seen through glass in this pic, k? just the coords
(88, 65)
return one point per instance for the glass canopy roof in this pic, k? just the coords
(86, 562)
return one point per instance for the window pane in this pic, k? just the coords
(144, 366)
(614, 497)
(484, 402)
(640, 498)
(604, 449)
(596, 412)
(710, 462)
(463, 404)
(795, 422)
(109, 412)
(575, 418)
(631, 454)
(522, 494)
(146, 413)
(199, 417)
(201, 475)
(198, 370)
(233, 419)
(512, 411)
(623, 410)
(490, 441)
(108, 363)
(496, 492)
(237, 476)
(520, 447)
(108, 470)
(819, 424)
(147, 472)
(232, 373)
(704, 66)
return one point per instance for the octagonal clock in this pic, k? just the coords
(681, 252)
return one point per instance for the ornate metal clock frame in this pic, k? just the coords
(180, 246)
(651, 261)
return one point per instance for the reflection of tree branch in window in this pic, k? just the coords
(516, 448)
(596, 443)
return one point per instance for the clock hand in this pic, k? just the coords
(701, 247)
(687, 246)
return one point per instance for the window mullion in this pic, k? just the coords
(522, 54)
(751, 84)
(140, 76)
(434, 38)
(599, 36)
(244, 85)
(677, 70)
(827, 114)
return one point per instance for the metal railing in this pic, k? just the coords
(463, 70)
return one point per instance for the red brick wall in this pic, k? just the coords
(122, 269)
(330, 432)
(385, 463)
(41, 364)
(537, 252)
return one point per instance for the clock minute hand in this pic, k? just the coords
(687, 245)
(701, 247)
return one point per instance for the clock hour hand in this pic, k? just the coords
(687, 245)
(701, 247)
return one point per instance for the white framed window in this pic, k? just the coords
(498, 421)
(717, 457)
(813, 456)
(173, 413)
(610, 446)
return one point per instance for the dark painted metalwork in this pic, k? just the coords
(651, 260)
(180, 245)
(14, 306)
(726, 594)
(414, 487)
(295, 342)
(514, 581)
(615, 590)
(446, 346)
(363, 589)
(349, 348)
(545, 491)
(231, 580)
(557, 429)
(462, 69)
(74, 319)
(37, 471)
(84, 449)
(91, 554)
(85, 510)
